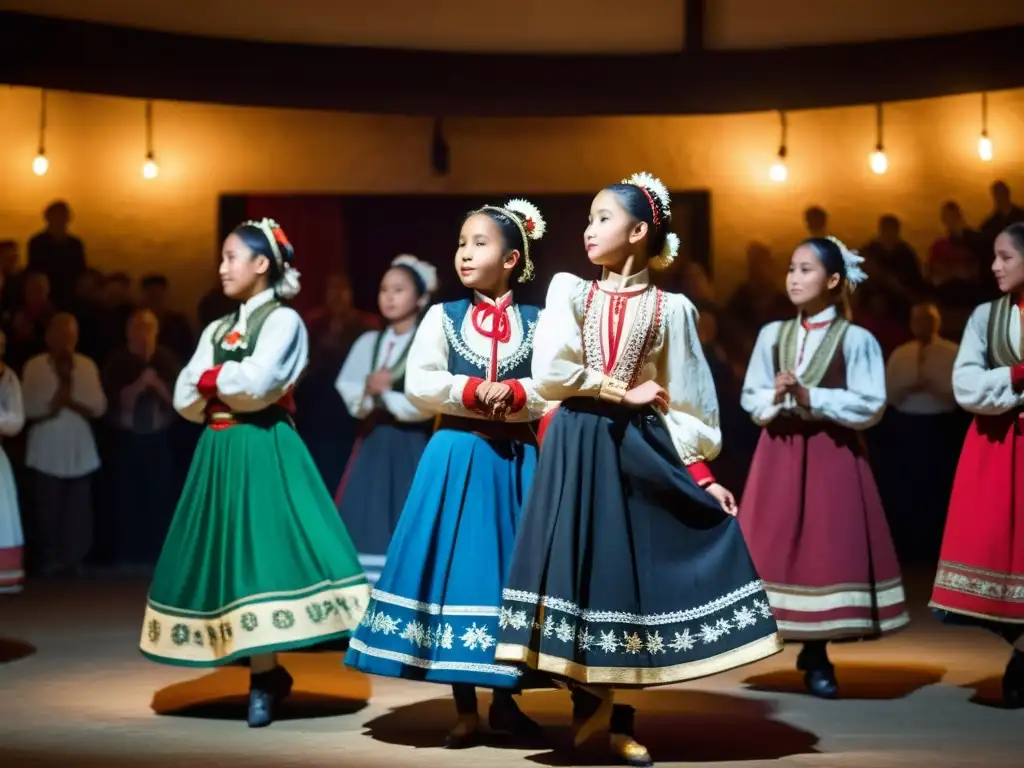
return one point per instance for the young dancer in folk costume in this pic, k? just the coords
(434, 613)
(980, 579)
(12, 420)
(394, 431)
(256, 560)
(629, 570)
(811, 511)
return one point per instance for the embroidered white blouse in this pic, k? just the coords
(632, 333)
(978, 388)
(430, 385)
(859, 406)
(358, 366)
(62, 445)
(12, 411)
(258, 381)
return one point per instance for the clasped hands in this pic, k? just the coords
(786, 383)
(494, 398)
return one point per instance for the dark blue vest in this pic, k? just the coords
(463, 361)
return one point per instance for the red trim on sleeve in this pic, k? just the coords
(207, 385)
(518, 395)
(1017, 377)
(701, 472)
(469, 394)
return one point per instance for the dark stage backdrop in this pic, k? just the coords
(360, 234)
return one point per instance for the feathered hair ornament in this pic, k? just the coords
(855, 274)
(527, 217)
(287, 285)
(661, 207)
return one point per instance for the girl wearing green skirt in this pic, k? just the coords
(256, 560)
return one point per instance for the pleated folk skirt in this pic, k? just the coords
(256, 559)
(626, 572)
(376, 482)
(434, 612)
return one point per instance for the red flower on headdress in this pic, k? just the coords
(530, 226)
(281, 238)
(233, 338)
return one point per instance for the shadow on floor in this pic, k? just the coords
(988, 692)
(223, 694)
(676, 725)
(14, 650)
(857, 681)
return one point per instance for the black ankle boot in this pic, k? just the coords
(1013, 681)
(627, 750)
(506, 716)
(266, 691)
(819, 674)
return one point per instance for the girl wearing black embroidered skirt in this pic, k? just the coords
(394, 431)
(811, 511)
(256, 560)
(629, 569)
(434, 613)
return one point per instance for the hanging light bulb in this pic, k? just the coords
(40, 165)
(879, 162)
(984, 142)
(150, 169)
(778, 172)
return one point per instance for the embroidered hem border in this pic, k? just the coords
(857, 605)
(451, 630)
(981, 583)
(258, 624)
(642, 676)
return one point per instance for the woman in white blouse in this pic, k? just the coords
(12, 419)
(256, 560)
(394, 431)
(629, 569)
(811, 511)
(980, 579)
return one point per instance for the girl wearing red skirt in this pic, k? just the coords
(980, 579)
(811, 512)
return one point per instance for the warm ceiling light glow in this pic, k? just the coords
(879, 162)
(40, 165)
(985, 147)
(778, 172)
(150, 169)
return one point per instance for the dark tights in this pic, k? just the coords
(465, 698)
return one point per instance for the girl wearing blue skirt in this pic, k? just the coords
(629, 568)
(434, 613)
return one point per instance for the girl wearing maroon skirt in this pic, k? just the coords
(980, 579)
(811, 512)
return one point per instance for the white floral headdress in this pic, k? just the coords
(855, 274)
(427, 273)
(532, 226)
(661, 207)
(287, 286)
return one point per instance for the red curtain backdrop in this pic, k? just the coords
(315, 226)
